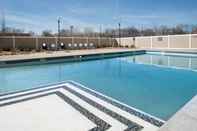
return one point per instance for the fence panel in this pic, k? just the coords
(127, 41)
(6, 43)
(143, 42)
(66, 40)
(114, 42)
(160, 42)
(194, 41)
(105, 42)
(25, 43)
(80, 40)
(181, 41)
(47, 40)
(95, 41)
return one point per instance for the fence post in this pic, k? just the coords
(151, 42)
(109, 42)
(190, 41)
(99, 41)
(14, 42)
(56, 42)
(72, 40)
(87, 40)
(36, 42)
(168, 41)
(113, 45)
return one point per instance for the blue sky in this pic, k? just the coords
(38, 15)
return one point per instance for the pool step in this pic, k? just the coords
(68, 106)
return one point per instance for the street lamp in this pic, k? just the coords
(119, 32)
(100, 34)
(71, 30)
(59, 22)
(3, 23)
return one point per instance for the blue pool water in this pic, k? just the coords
(156, 84)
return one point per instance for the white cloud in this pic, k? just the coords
(82, 11)
(21, 19)
(126, 17)
(38, 23)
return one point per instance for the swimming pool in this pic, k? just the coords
(154, 83)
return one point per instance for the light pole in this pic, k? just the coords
(3, 23)
(71, 30)
(100, 34)
(119, 32)
(58, 39)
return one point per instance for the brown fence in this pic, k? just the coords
(188, 41)
(35, 43)
(152, 42)
(7, 43)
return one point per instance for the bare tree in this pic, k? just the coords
(162, 30)
(179, 29)
(31, 33)
(13, 30)
(132, 32)
(47, 33)
(148, 32)
(194, 29)
(65, 32)
(107, 33)
(88, 31)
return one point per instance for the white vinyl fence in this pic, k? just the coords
(188, 41)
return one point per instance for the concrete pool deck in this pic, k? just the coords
(69, 107)
(53, 54)
(184, 120)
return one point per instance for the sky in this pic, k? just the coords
(38, 15)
